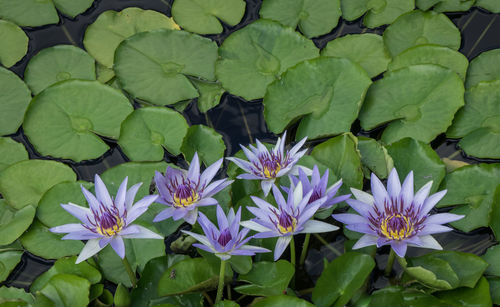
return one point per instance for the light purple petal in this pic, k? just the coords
(254, 226)
(179, 213)
(67, 228)
(379, 193)
(209, 248)
(79, 212)
(119, 246)
(248, 176)
(121, 196)
(203, 239)
(363, 228)
(266, 185)
(399, 247)
(297, 147)
(393, 184)
(81, 235)
(194, 168)
(360, 207)
(206, 202)
(429, 242)
(313, 226)
(255, 249)
(429, 229)
(165, 214)
(244, 165)
(259, 213)
(190, 216)
(130, 195)
(221, 219)
(262, 204)
(216, 187)
(90, 249)
(431, 201)
(267, 234)
(281, 245)
(140, 207)
(443, 218)
(422, 194)
(365, 240)
(363, 196)
(407, 190)
(210, 172)
(102, 192)
(104, 241)
(91, 199)
(140, 232)
(280, 200)
(349, 218)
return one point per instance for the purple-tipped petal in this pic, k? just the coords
(191, 216)
(140, 207)
(121, 195)
(313, 226)
(443, 218)
(244, 165)
(81, 235)
(204, 247)
(102, 192)
(206, 202)
(221, 218)
(118, 245)
(130, 195)
(262, 204)
(90, 249)
(297, 147)
(165, 214)
(194, 168)
(407, 190)
(140, 232)
(431, 201)
(104, 241)
(210, 172)
(67, 228)
(393, 184)
(281, 245)
(422, 194)
(429, 229)
(248, 176)
(94, 204)
(399, 248)
(363, 228)
(360, 207)
(365, 240)
(349, 218)
(203, 239)
(379, 193)
(79, 212)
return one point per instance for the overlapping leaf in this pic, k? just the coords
(378, 12)
(14, 99)
(15, 43)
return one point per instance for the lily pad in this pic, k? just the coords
(282, 301)
(255, 56)
(477, 296)
(69, 128)
(419, 157)
(25, 182)
(313, 17)
(478, 122)
(10, 256)
(112, 27)
(266, 278)
(67, 290)
(495, 214)
(445, 5)
(483, 68)
(431, 54)
(202, 16)
(378, 12)
(15, 43)
(8, 294)
(11, 152)
(374, 157)
(210, 94)
(14, 222)
(367, 50)
(418, 101)
(327, 91)
(206, 142)
(15, 97)
(57, 64)
(492, 256)
(490, 5)
(420, 28)
(147, 131)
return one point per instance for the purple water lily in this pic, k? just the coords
(226, 240)
(268, 165)
(107, 220)
(293, 216)
(183, 192)
(396, 216)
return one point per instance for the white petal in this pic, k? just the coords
(121, 195)
(142, 233)
(297, 195)
(363, 196)
(364, 241)
(281, 245)
(254, 226)
(429, 242)
(90, 249)
(313, 226)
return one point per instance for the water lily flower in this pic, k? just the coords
(292, 216)
(183, 192)
(268, 165)
(107, 220)
(396, 216)
(226, 240)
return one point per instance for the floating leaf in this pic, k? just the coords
(490, 5)
(418, 101)
(379, 12)
(367, 50)
(341, 278)
(10, 256)
(313, 17)
(431, 54)
(57, 64)
(14, 43)
(478, 296)
(210, 94)
(112, 27)
(154, 66)
(282, 301)
(68, 128)
(445, 5)
(14, 222)
(146, 131)
(328, 91)
(25, 182)
(266, 278)
(374, 157)
(67, 290)
(492, 256)
(8, 294)
(14, 99)
(204, 140)
(253, 57)
(483, 68)
(495, 214)
(11, 152)
(419, 28)
(202, 16)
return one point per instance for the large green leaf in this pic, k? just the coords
(483, 68)
(154, 66)
(495, 289)
(367, 50)
(313, 17)
(146, 131)
(14, 294)
(374, 158)
(255, 56)
(14, 43)
(495, 214)
(69, 128)
(210, 94)
(25, 182)
(112, 27)
(14, 99)
(327, 91)
(467, 297)
(417, 101)
(11, 152)
(67, 290)
(490, 5)
(445, 5)
(341, 278)
(14, 222)
(492, 257)
(419, 28)
(431, 54)
(282, 301)
(10, 256)
(378, 12)
(266, 278)
(202, 16)
(206, 142)
(58, 63)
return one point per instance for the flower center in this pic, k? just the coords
(109, 224)
(397, 227)
(271, 165)
(286, 223)
(185, 196)
(224, 237)
(316, 194)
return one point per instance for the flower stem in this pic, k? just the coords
(304, 249)
(130, 272)
(390, 262)
(320, 239)
(292, 251)
(220, 287)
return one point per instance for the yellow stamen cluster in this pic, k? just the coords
(109, 232)
(288, 229)
(180, 202)
(398, 233)
(271, 173)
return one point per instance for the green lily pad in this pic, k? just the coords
(484, 67)
(14, 100)
(8, 294)
(378, 12)
(14, 222)
(313, 17)
(57, 64)
(327, 91)
(490, 5)
(10, 256)
(104, 74)
(492, 256)
(495, 214)
(478, 122)
(202, 16)
(419, 157)
(39, 241)
(206, 142)
(445, 5)
(374, 158)
(210, 94)
(477, 296)
(341, 278)
(69, 128)
(266, 278)
(112, 27)
(494, 289)
(420, 28)
(49, 210)
(282, 301)
(147, 131)
(154, 66)
(15, 43)
(67, 290)
(367, 50)
(431, 54)
(255, 56)
(473, 187)
(25, 182)
(11, 152)
(418, 101)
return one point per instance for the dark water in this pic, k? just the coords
(240, 121)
